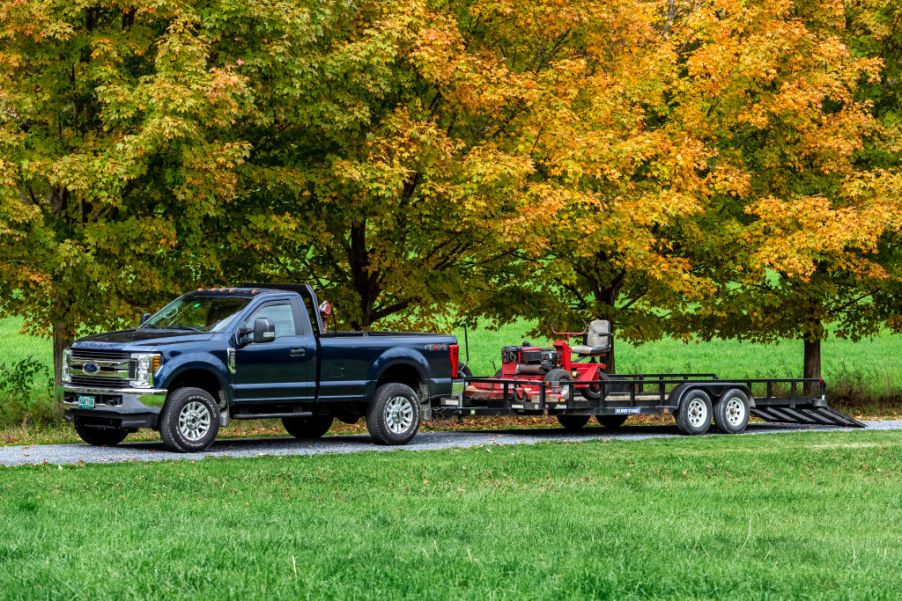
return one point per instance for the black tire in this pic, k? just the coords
(573, 423)
(594, 394)
(201, 420)
(307, 428)
(99, 437)
(559, 376)
(464, 371)
(611, 421)
(393, 416)
(731, 414)
(695, 413)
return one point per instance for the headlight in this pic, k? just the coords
(65, 376)
(146, 365)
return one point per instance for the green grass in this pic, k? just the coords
(773, 516)
(15, 346)
(879, 359)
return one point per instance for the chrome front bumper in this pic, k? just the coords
(117, 400)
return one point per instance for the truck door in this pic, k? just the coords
(281, 370)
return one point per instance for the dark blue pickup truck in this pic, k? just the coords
(254, 352)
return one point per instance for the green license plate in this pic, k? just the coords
(85, 401)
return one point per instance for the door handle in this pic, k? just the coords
(298, 352)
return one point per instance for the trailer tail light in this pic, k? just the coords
(454, 352)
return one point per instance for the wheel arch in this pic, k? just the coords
(199, 376)
(401, 366)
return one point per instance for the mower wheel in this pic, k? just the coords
(694, 414)
(560, 381)
(573, 423)
(611, 421)
(593, 394)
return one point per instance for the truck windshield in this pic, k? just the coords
(197, 312)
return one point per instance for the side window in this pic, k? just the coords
(280, 314)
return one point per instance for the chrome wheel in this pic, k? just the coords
(697, 413)
(398, 414)
(194, 421)
(735, 412)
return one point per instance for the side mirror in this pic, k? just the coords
(145, 317)
(264, 330)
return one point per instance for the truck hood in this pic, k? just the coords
(139, 337)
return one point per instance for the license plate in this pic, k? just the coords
(85, 401)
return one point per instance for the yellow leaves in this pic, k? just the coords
(794, 236)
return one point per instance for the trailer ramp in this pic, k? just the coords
(811, 415)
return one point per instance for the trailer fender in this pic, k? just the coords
(714, 389)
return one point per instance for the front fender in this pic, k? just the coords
(173, 367)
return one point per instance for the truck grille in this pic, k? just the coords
(105, 369)
(98, 382)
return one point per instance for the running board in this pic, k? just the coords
(818, 416)
(272, 415)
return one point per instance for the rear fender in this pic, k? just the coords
(395, 357)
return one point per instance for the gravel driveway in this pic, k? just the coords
(63, 454)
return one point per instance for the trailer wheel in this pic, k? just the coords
(694, 414)
(573, 423)
(560, 381)
(731, 414)
(307, 428)
(611, 421)
(393, 416)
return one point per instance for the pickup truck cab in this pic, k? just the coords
(254, 352)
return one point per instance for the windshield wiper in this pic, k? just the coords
(179, 326)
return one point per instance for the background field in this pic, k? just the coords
(771, 516)
(864, 377)
(876, 362)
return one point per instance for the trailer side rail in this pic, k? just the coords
(794, 400)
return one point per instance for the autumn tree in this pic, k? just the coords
(812, 241)
(377, 171)
(112, 154)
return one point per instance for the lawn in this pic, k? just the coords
(810, 515)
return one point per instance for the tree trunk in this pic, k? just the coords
(609, 359)
(62, 338)
(812, 367)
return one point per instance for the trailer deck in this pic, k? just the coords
(784, 400)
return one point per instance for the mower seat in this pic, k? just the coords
(598, 339)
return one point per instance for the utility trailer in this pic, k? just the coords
(570, 382)
(694, 400)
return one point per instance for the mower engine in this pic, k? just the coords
(529, 360)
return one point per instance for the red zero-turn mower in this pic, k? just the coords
(524, 367)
